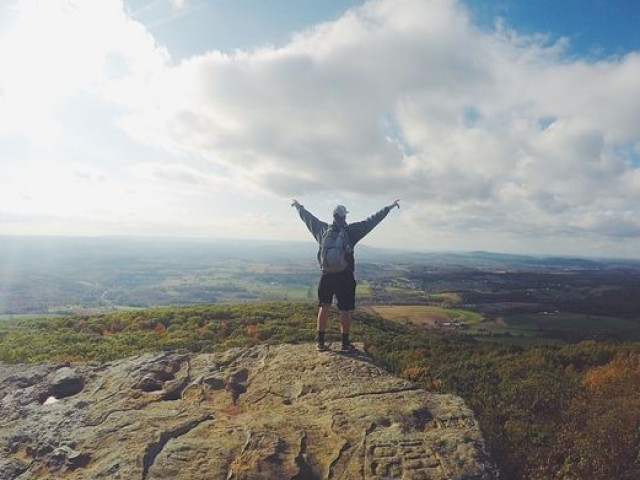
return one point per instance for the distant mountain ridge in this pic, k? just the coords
(23, 248)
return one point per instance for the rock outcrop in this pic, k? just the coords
(283, 412)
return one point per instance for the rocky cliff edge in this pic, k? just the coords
(266, 412)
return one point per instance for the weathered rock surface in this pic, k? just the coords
(285, 412)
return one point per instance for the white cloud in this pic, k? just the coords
(178, 4)
(408, 98)
(56, 49)
(478, 131)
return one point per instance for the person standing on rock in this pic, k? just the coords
(335, 257)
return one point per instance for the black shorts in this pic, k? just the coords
(342, 285)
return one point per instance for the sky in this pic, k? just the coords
(509, 125)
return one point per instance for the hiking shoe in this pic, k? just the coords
(321, 347)
(348, 348)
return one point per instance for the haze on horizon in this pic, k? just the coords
(507, 126)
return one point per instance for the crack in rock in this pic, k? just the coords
(304, 469)
(154, 449)
(236, 384)
(343, 449)
(391, 391)
(175, 391)
(108, 414)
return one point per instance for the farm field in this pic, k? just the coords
(516, 328)
(570, 326)
(427, 315)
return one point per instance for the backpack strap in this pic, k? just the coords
(346, 234)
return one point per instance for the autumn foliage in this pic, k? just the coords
(547, 411)
(602, 435)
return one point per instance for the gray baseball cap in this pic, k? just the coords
(340, 211)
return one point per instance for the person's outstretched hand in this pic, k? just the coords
(295, 203)
(395, 203)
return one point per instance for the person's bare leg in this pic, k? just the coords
(345, 321)
(345, 327)
(323, 317)
(323, 320)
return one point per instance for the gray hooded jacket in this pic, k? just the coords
(356, 231)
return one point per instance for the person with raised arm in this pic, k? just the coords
(336, 242)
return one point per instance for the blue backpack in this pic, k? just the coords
(334, 250)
